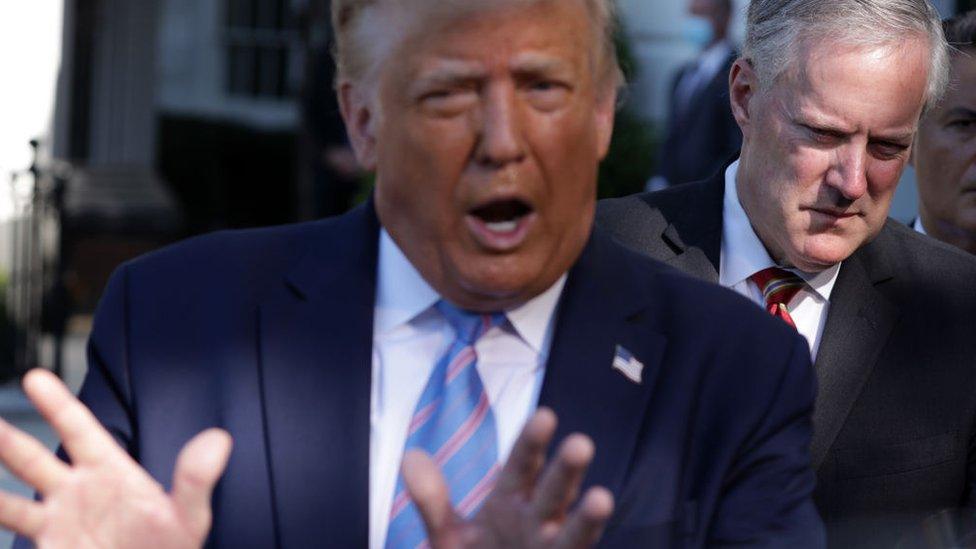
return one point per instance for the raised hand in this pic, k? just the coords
(529, 507)
(103, 498)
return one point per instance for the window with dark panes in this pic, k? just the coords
(261, 43)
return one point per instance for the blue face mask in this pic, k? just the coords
(697, 30)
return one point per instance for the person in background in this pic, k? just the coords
(945, 147)
(829, 94)
(391, 378)
(701, 133)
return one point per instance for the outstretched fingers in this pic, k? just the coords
(29, 460)
(585, 524)
(198, 468)
(528, 455)
(85, 440)
(21, 515)
(560, 483)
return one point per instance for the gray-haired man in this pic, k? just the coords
(828, 94)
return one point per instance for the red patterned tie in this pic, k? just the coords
(778, 286)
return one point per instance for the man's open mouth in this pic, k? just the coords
(502, 216)
(501, 225)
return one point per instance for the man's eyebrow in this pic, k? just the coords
(960, 112)
(447, 72)
(821, 121)
(539, 64)
(823, 124)
(899, 138)
(827, 124)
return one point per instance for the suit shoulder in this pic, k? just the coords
(224, 250)
(918, 258)
(676, 195)
(241, 263)
(639, 214)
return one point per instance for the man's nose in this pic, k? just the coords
(501, 140)
(849, 172)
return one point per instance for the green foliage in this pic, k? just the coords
(630, 160)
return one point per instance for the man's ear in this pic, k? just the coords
(606, 110)
(743, 86)
(360, 118)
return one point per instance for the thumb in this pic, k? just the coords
(198, 468)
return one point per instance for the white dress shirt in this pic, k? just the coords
(410, 336)
(743, 255)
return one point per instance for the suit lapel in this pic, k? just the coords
(601, 308)
(316, 347)
(695, 228)
(859, 322)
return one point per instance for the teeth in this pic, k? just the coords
(502, 226)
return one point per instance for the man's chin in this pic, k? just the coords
(816, 260)
(497, 289)
(488, 298)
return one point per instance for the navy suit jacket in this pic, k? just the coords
(268, 334)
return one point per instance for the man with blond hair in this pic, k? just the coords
(392, 377)
(828, 94)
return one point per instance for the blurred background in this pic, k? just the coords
(128, 124)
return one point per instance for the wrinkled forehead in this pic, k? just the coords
(813, 54)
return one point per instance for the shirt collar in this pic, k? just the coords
(743, 254)
(402, 294)
(533, 319)
(917, 225)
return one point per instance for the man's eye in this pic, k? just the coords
(965, 125)
(822, 136)
(544, 85)
(548, 94)
(888, 151)
(447, 101)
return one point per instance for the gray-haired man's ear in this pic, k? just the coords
(743, 86)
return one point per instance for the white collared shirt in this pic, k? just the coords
(743, 255)
(409, 336)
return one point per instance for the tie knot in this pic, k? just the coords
(468, 325)
(777, 285)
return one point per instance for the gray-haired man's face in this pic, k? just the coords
(825, 146)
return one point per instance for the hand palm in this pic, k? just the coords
(104, 498)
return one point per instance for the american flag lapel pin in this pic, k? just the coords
(625, 363)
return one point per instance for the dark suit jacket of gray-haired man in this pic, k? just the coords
(894, 420)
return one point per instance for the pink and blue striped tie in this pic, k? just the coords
(453, 422)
